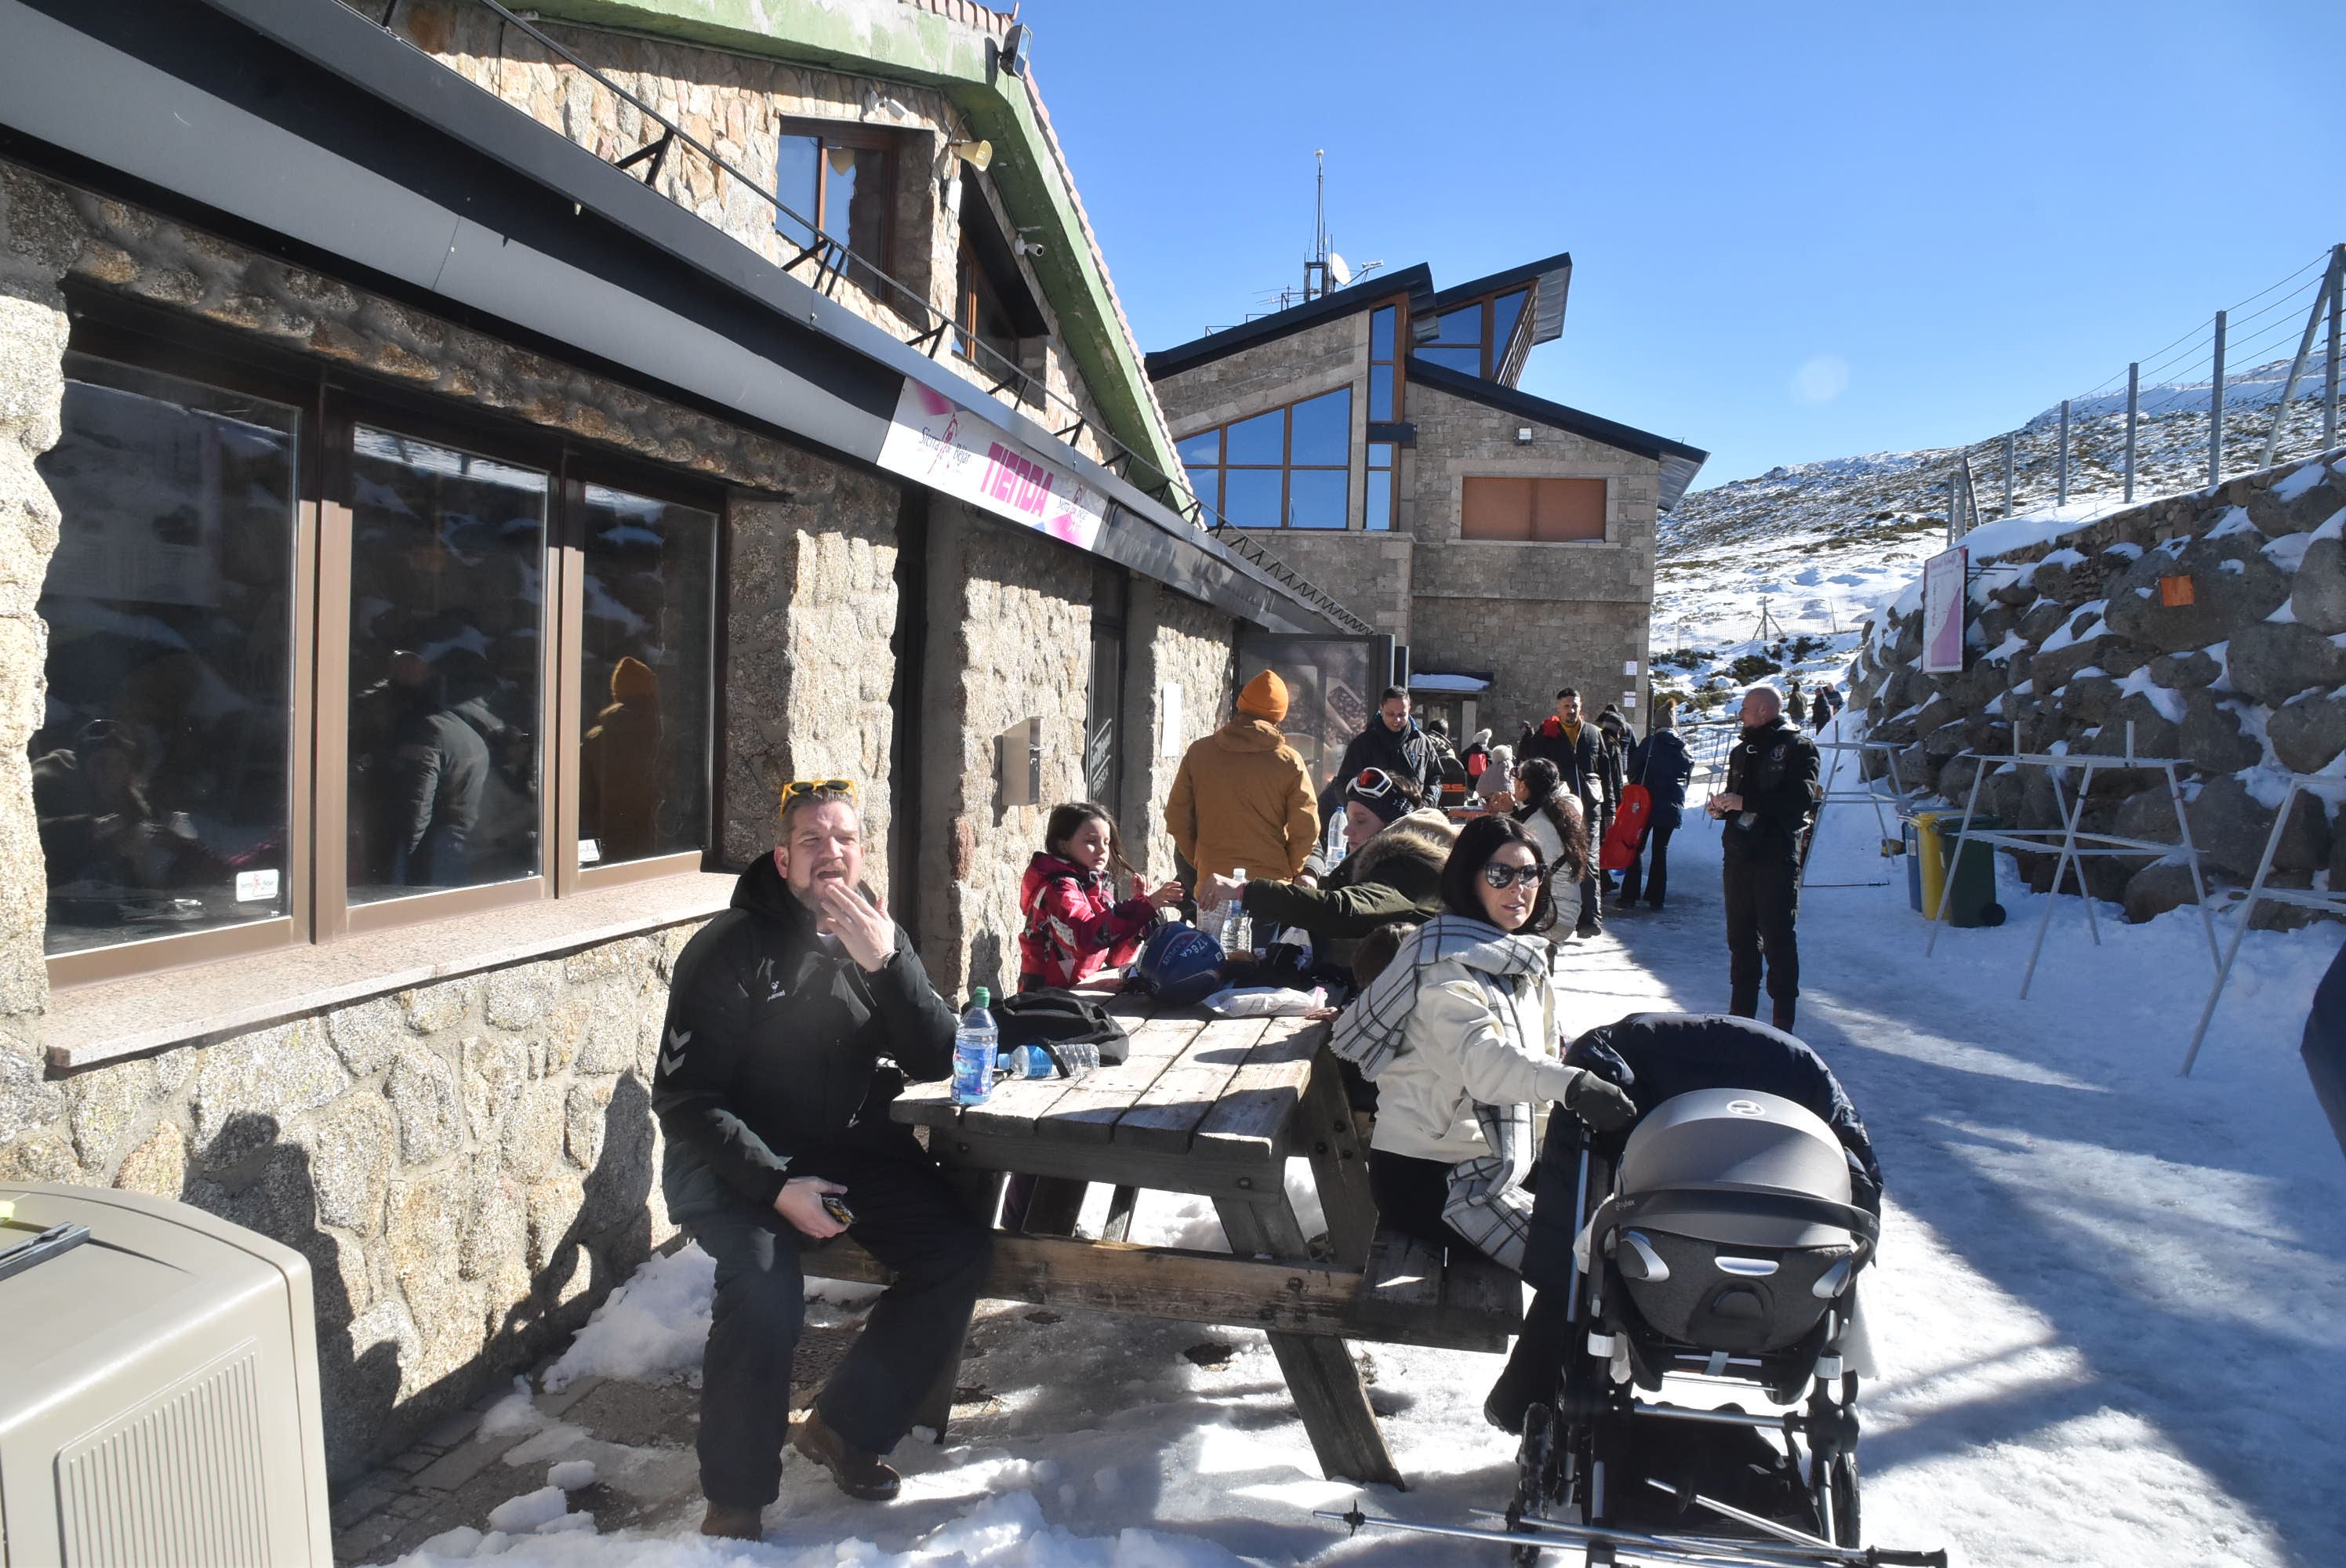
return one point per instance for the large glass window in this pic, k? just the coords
(1384, 331)
(644, 667)
(1477, 339)
(1287, 468)
(447, 598)
(313, 673)
(1537, 511)
(160, 770)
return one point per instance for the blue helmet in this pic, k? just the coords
(1181, 964)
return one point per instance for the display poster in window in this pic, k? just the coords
(943, 445)
(1942, 612)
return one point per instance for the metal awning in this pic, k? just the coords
(1437, 680)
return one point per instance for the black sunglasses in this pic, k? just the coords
(1501, 877)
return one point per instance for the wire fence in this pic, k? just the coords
(826, 261)
(2258, 382)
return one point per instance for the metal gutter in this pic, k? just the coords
(238, 116)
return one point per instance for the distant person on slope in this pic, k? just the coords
(1768, 803)
(1796, 707)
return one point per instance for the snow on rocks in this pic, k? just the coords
(652, 1327)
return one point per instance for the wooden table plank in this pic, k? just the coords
(1167, 1113)
(1256, 1108)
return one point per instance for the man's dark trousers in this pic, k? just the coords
(1763, 899)
(908, 1218)
(1653, 884)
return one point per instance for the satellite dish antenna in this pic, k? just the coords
(1338, 270)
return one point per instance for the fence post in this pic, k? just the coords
(2134, 407)
(2297, 365)
(2010, 441)
(2216, 410)
(2329, 374)
(2061, 468)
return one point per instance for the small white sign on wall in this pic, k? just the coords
(1168, 719)
(255, 887)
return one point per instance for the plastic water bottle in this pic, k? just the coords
(1238, 928)
(974, 1046)
(1031, 1061)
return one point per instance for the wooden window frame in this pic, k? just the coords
(1286, 465)
(332, 403)
(1397, 364)
(863, 138)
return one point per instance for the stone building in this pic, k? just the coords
(1379, 429)
(451, 474)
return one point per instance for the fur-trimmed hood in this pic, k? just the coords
(1407, 856)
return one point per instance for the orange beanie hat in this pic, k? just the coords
(1265, 697)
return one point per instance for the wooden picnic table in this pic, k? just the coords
(1214, 1107)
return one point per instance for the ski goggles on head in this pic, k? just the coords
(1372, 784)
(1499, 878)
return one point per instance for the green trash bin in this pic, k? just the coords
(1970, 882)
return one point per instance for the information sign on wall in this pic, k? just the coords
(945, 446)
(1942, 611)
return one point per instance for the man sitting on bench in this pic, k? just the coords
(772, 1089)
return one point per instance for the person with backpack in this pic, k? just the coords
(1075, 924)
(1768, 803)
(1661, 763)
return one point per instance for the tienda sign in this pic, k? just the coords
(940, 443)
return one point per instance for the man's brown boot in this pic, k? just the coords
(734, 1524)
(859, 1475)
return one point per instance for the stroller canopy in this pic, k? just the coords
(1742, 1167)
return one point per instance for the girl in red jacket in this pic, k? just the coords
(1074, 926)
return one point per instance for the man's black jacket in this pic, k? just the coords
(1774, 768)
(777, 1045)
(1406, 752)
(1576, 761)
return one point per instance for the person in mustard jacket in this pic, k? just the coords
(1242, 796)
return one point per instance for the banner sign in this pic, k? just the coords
(1942, 612)
(938, 442)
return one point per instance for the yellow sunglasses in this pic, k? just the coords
(797, 787)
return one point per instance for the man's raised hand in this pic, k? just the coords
(862, 926)
(801, 1203)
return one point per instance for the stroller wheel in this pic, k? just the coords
(1834, 1488)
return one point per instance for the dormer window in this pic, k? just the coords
(1480, 338)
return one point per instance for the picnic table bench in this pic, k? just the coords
(1213, 1108)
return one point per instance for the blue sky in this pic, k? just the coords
(1798, 232)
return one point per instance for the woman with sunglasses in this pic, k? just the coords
(1459, 1035)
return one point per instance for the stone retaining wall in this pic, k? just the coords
(2072, 638)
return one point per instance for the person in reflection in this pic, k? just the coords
(99, 829)
(793, 1020)
(619, 767)
(436, 775)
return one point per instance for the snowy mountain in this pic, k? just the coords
(1817, 544)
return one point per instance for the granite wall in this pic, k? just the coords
(2211, 627)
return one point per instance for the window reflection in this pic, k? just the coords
(447, 587)
(1288, 467)
(646, 668)
(159, 766)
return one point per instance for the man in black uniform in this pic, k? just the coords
(1769, 800)
(773, 1085)
(1573, 747)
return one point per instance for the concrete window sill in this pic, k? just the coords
(89, 1024)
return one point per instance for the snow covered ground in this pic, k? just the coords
(2110, 1310)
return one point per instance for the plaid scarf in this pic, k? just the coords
(1488, 1204)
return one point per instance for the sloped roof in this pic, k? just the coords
(1680, 463)
(1416, 281)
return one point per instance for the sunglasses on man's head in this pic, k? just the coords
(1500, 878)
(797, 787)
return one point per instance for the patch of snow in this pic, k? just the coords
(2168, 702)
(2283, 615)
(571, 1474)
(2237, 569)
(514, 1413)
(2287, 552)
(652, 1327)
(515, 1515)
(2013, 643)
(2297, 482)
(2333, 527)
(2234, 520)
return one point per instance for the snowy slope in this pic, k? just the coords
(2109, 1310)
(1819, 544)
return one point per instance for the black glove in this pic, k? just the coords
(1598, 1104)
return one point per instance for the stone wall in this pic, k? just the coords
(469, 1166)
(1298, 365)
(1371, 575)
(811, 612)
(735, 104)
(2071, 640)
(1177, 642)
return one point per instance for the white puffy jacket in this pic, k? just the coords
(1457, 1052)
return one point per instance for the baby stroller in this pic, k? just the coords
(1717, 1242)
